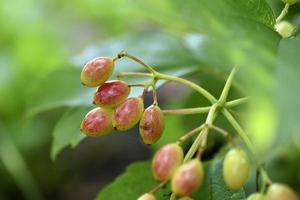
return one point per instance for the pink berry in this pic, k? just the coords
(152, 124)
(97, 71)
(128, 114)
(97, 122)
(111, 94)
(166, 160)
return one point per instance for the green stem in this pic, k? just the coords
(190, 84)
(190, 134)
(283, 12)
(158, 187)
(148, 67)
(187, 111)
(203, 134)
(236, 102)
(224, 133)
(266, 181)
(173, 196)
(242, 134)
(200, 110)
(141, 74)
(224, 94)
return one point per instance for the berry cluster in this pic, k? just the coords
(185, 172)
(114, 109)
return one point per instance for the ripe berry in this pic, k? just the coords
(97, 71)
(151, 124)
(166, 160)
(236, 169)
(128, 114)
(187, 178)
(284, 28)
(111, 94)
(278, 191)
(256, 196)
(147, 196)
(97, 122)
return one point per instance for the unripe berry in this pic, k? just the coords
(278, 191)
(128, 114)
(236, 169)
(290, 1)
(147, 196)
(111, 94)
(97, 122)
(97, 71)
(166, 160)
(284, 28)
(256, 196)
(187, 178)
(151, 124)
(186, 198)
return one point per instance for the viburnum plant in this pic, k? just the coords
(184, 172)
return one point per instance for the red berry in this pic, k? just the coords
(187, 178)
(147, 196)
(97, 122)
(128, 114)
(166, 160)
(152, 124)
(97, 71)
(279, 191)
(111, 94)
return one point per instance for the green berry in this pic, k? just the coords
(236, 169)
(147, 196)
(284, 28)
(111, 94)
(279, 191)
(186, 198)
(290, 1)
(256, 196)
(166, 160)
(97, 71)
(151, 124)
(128, 114)
(97, 122)
(187, 178)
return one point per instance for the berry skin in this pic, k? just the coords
(187, 178)
(278, 191)
(236, 169)
(166, 160)
(284, 28)
(147, 196)
(97, 71)
(256, 196)
(290, 1)
(128, 114)
(151, 124)
(97, 122)
(111, 94)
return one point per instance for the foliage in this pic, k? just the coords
(45, 44)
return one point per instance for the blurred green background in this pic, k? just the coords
(44, 44)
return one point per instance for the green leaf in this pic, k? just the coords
(16, 166)
(60, 88)
(287, 89)
(214, 187)
(138, 180)
(135, 181)
(159, 49)
(67, 130)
